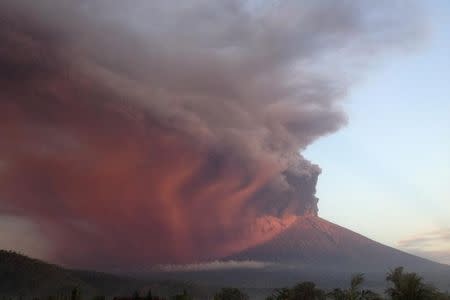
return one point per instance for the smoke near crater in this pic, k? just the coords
(153, 132)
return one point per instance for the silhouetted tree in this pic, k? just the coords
(281, 294)
(306, 291)
(136, 295)
(76, 294)
(408, 286)
(369, 295)
(149, 295)
(354, 292)
(183, 296)
(337, 294)
(230, 294)
(302, 291)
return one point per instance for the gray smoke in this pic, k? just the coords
(194, 113)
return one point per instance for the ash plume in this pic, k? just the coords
(153, 132)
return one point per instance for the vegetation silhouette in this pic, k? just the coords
(230, 294)
(354, 292)
(183, 296)
(149, 295)
(410, 286)
(406, 286)
(20, 275)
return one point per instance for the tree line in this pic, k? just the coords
(401, 286)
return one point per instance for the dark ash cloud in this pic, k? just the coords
(151, 133)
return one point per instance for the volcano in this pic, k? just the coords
(311, 249)
(313, 241)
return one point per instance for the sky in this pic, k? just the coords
(391, 163)
(124, 127)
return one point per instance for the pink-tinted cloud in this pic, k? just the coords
(434, 245)
(158, 133)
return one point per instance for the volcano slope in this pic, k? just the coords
(311, 240)
(313, 249)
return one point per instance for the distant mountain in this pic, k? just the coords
(316, 242)
(313, 249)
(24, 276)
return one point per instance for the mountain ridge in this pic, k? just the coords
(313, 240)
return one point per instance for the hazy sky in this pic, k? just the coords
(391, 164)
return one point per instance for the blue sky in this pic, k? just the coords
(387, 174)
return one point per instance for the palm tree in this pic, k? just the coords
(369, 295)
(136, 295)
(76, 294)
(149, 295)
(183, 296)
(337, 294)
(302, 291)
(354, 292)
(306, 291)
(408, 286)
(281, 294)
(230, 294)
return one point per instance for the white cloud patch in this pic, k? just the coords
(434, 245)
(215, 265)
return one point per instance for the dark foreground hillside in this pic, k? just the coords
(24, 276)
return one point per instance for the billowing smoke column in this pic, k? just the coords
(154, 132)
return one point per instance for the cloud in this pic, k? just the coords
(152, 133)
(427, 239)
(215, 265)
(433, 244)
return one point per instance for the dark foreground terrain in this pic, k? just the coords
(22, 277)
